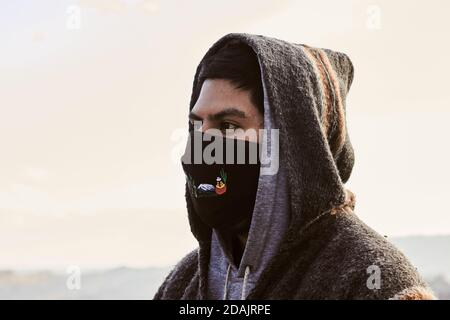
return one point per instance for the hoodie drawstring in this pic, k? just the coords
(244, 283)
(225, 290)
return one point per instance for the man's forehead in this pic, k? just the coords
(217, 95)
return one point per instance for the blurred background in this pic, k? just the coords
(94, 94)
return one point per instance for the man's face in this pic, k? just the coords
(221, 106)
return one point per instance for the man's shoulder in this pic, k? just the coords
(367, 261)
(361, 241)
(188, 262)
(180, 276)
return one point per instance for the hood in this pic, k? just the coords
(304, 92)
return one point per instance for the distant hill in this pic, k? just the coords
(119, 283)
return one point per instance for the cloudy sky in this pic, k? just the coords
(94, 92)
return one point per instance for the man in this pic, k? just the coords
(292, 233)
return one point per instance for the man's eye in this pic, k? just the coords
(228, 126)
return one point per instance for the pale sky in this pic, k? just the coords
(90, 105)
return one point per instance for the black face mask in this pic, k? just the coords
(223, 193)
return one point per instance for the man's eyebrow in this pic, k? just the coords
(228, 112)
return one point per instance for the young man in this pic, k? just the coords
(290, 233)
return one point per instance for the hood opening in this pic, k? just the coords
(297, 94)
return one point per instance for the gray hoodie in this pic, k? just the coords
(270, 220)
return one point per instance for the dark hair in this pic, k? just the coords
(237, 63)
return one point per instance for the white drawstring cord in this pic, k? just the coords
(244, 283)
(225, 290)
